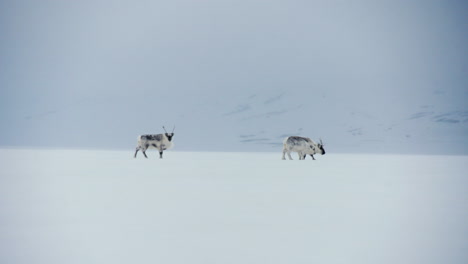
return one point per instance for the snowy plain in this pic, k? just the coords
(92, 206)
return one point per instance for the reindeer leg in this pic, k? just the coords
(136, 151)
(289, 155)
(301, 155)
(312, 156)
(284, 153)
(160, 148)
(144, 150)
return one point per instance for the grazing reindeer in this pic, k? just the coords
(303, 146)
(158, 141)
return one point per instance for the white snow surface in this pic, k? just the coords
(90, 206)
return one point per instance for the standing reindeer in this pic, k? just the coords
(158, 141)
(303, 146)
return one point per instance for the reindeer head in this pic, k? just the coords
(320, 147)
(169, 135)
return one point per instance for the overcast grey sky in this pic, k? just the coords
(95, 74)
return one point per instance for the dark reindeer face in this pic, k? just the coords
(322, 150)
(169, 136)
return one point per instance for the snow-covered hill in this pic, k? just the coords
(76, 206)
(253, 121)
(260, 121)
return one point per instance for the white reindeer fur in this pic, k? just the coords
(303, 146)
(157, 141)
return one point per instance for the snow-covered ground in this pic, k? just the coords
(76, 206)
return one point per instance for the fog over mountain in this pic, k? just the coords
(365, 76)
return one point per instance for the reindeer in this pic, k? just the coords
(303, 146)
(158, 141)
